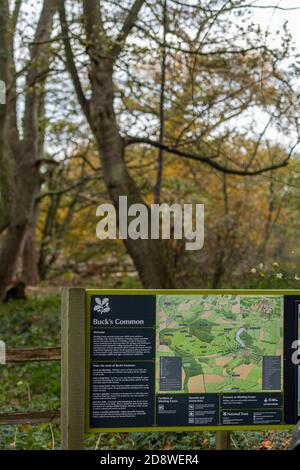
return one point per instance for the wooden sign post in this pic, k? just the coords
(73, 369)
(222, 440)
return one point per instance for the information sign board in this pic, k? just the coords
(191, 360)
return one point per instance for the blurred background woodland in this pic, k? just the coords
(176, 101)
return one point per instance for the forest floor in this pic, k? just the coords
(35, 322)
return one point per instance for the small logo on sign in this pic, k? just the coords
(102, 305)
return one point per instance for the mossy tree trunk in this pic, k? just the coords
(24, 152)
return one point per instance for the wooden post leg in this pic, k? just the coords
(72, 369)
(222, 440)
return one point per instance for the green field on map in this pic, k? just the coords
(221, 339)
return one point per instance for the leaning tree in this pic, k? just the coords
(21, 136)
(138, 66)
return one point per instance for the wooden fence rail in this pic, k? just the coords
(30, 417)
(33, 355)
(17, 356)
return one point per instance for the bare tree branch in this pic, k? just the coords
(206, 160)
(39, 61)
(6, 186)
(127, 26)
(160, 159)
(15, 16)
(71, 62)
(94, 24)
(67, 189)
(236, 7)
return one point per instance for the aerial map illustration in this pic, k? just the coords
(219, 343)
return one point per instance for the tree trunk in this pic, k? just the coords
(27, 183)
(26, 154)
(47, 234)
(30, 270)
(6, 161)
(149, 256)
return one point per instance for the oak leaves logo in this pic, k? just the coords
(102, 305)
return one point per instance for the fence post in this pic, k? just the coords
(72, 368)
(222, 440)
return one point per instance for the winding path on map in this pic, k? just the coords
(238, 336)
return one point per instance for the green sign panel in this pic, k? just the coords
(191, 360)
